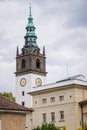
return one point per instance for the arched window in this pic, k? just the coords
(38, 64)
(23, 65)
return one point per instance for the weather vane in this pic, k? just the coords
(30, 8)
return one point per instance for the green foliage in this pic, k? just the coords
(8, 95)
(47, 127)
(85, 128)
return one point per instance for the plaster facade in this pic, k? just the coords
(67, 100)
(12, 121)
(30, 82)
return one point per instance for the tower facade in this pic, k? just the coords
(30, 66)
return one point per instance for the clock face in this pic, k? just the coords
(38, 82)
(23, 82)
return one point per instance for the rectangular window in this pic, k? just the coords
(44, 117)
(23, 103)
(61, 115)
(52, 99)
(52, 116)
(61, 98)
(22, 93)
(44, 100)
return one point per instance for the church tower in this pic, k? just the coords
(30, 66)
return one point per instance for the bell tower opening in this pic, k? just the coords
(38, 64)
(23, 64)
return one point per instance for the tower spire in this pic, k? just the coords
(30, 37)
(30, 9)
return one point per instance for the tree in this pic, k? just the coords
(8, 95)
(47, 127)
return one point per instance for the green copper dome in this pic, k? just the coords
(30, 37)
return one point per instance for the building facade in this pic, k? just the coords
(30, 66)
(60, 103)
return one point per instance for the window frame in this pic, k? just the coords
(61, 115)
(52, 99)
(44, 100)
(61, 98)
(52, 116)
(44, 117)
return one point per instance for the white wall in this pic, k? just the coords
(30, 83)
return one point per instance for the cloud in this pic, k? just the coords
(60, 26)
(76, 14)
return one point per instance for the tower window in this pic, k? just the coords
(23, 93)
(38, 64)
(23, 64)
(23, 103)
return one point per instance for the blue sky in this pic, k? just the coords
(61, 26)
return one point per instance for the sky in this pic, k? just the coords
(61, 26)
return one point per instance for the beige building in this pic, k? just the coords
(12, 115)
(63, 103)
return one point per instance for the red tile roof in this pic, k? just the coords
(6, 104)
